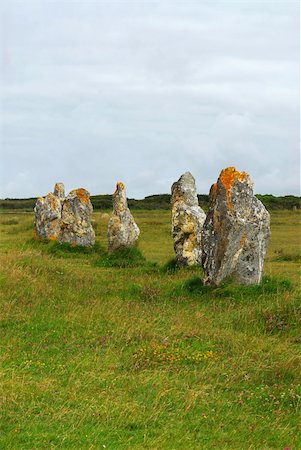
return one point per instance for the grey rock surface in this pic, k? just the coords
(123, 232)
(76, 227)
(236, 231)
(187, 221)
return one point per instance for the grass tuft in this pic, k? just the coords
(144, 293)
(10, 222)
(171, 266)
(195, 285)
(229, 289)
(283, 317)
(288, 257)
(124, 257)
(64, 250)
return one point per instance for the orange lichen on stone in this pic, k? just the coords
(119, 185)
(82, 194)
(51, 199)
(213, 190)
(52, 237)
(242, 241)
(227, 177)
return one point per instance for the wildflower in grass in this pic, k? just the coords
(171, 355)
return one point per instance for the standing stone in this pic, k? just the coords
(236, 231)
(59, 190)
(187, 221)
(48, 213)
(76, 228)
(122, 229)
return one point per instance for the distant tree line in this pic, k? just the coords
(160, 201)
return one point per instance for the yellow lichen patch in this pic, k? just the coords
(58, 188)
(227, 177)
(176, 198)
(120, 186)
(82, 195)
(51, 199)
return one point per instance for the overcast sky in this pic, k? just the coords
(141, 91)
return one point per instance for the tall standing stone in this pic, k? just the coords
(76, 227)
(187, 221)
(48, 213)
(236, 231)
(123, 232)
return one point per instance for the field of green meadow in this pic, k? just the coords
(129, 352)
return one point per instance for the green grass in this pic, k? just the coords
(228, 288)
(122, 258)
(287, 257)
(127, 350)
(171, 266)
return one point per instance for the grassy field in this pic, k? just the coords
(99, 355)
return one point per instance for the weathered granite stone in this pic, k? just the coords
(122, 229)
(236, 231)
(187, 221)
(76, 228)
(48, 213)
(59, 190)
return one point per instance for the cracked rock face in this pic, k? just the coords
(187, 221)
(76, 228)
(236, 231)
(48, 213)
(122, 229)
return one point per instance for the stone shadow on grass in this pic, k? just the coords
(64, 250)
(172, 267)
(229, 289)
(124, 258)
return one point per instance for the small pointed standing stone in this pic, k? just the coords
(122, 229)
(236, 231)
(48, 213)
(187, 221)
(59, 190)
(76, 228)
